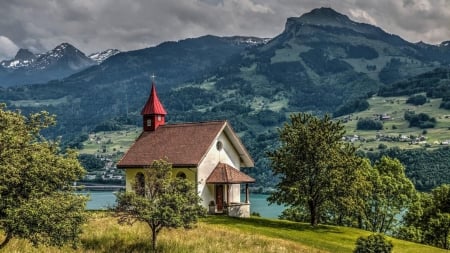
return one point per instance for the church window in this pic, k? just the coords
(181, 175)
(219, 145)
(140, 184)
(149, 122)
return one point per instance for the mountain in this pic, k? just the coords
(445, 44)
(117, 86)
(27, 67)
(321, 62)
(102, 56)
(23, 58)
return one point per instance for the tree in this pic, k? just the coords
(314, 165)
(417, 100)
(392, 194)
(37, 200)
(91, 162)
(369, 124)
(162, 201)
(428, 220)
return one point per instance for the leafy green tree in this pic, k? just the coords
(392, 193)
(369, 124)
(37, 200)
(417, 100)
(314, 165)
(162, 201)
(91, 162)
(428, 220)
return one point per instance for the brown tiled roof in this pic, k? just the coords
(226, 174)
(181, 144)
(153, 105)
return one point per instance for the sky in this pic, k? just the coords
(97, 25)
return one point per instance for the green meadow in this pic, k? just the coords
(395, 108)
(110, 142)
(217, 234)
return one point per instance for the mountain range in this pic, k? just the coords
(321, 62)
(62, 61)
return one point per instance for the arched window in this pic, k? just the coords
(140, 184)
(181, 175)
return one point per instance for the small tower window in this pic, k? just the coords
(159, 117)
(149, 122)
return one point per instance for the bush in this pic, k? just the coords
(382, 146)
(375, 243)
(421, 120)
(369, 124)
(417, 100)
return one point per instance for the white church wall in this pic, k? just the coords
(227, 155)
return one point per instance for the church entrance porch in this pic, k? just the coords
(224, 178)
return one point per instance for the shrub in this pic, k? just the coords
(417, 100)
(369, 124)
(421, 120)
(374, 243)
(382, 146)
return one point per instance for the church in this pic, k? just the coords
(208, 153)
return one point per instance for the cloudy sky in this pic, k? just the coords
(95, 25)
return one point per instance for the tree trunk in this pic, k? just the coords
(6, 240)
(313, 213)
(154, 235)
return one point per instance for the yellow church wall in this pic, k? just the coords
(130, 175)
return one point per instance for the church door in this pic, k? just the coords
(219, 197)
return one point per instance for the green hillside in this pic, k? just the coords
(110, 143)
(219, 234)
(396, 126)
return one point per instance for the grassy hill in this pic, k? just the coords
(219, 234)
(396, 125)
(110, 143)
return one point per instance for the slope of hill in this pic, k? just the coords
(219, 234)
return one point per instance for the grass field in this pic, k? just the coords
(218, 234)
(111, 142)
(395, 107)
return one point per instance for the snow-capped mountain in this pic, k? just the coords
(23, 58)
(64, 54)
(445, 44)
(57, 63)
(248, 40)
(102, 56)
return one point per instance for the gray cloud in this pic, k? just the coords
(132, 24)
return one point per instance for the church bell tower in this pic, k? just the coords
(153, 113)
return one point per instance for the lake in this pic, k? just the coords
(101, 200)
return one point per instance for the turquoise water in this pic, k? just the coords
(103, 199)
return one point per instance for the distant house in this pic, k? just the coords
(208, 153)
(385, 117)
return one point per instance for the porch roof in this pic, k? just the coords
(226, 174)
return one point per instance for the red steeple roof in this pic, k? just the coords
(153, 105)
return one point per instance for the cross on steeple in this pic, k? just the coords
(153, 77)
